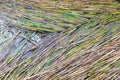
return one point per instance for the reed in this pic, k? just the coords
(59, 40)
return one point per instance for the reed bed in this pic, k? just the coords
(59, 40)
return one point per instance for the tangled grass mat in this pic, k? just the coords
(59, 40)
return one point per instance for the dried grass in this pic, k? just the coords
(54, 42)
